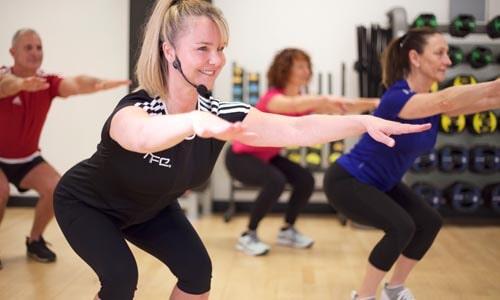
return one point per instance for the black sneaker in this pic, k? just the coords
(1, 266)
(38, 251)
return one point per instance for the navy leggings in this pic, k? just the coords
(271, 178)
(98, 239)
(410, 223)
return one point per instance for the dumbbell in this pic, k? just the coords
(237, 90)
(293, 154)
(425, 162)
(428, 192)
(336, 150)
(453, 158)
(463, 196)
(425, 20)
(484, 159)
(493, 28)
(313, 157)
(461, 79)
(491, 196)
(456, 55)
(253, 88)
(451, 125)
(482, 122)
(480, 57)
(462, 25)
(434, 87)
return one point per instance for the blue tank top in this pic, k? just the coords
(374, 163)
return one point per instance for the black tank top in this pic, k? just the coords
(133, 186)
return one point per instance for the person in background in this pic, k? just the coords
(26, 93)
(289, 74)
(163, 139)
(365, 185)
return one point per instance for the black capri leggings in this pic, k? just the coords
(271, 178)
(410, 224)
(97, 238)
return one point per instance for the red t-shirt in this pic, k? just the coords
(22, 117)
(263, 153)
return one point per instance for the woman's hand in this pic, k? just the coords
(381, 130)
(338, 105)
(207, 125)
(360, 105)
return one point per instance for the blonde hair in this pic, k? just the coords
(166, 22)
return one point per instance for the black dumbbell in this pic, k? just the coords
(456, 55)
(480, 57)
(453, 158)
(463, 196)
(462, 25)
(484, 159)
(482, 122)
(425, 20)
(428, 192)
(491, 196)
(427, 161)
(493, 28)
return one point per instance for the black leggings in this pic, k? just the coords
(271, 178)
(97, 238)
(410, 224)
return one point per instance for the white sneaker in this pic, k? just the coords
(354, 296)
(292, 238)
(251, 245)
(397, 294)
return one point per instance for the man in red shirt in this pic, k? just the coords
(26, 93)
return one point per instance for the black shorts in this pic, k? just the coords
(16, 172)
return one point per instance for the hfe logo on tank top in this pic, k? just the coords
(155, 159)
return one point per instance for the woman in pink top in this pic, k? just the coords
(289, 73)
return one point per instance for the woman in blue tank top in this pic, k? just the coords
(365, 184)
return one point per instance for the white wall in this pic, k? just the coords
(79, 37)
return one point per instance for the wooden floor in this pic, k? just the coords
(464, 263)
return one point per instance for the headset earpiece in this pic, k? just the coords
(176, 63)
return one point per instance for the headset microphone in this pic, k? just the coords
(201, 89)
